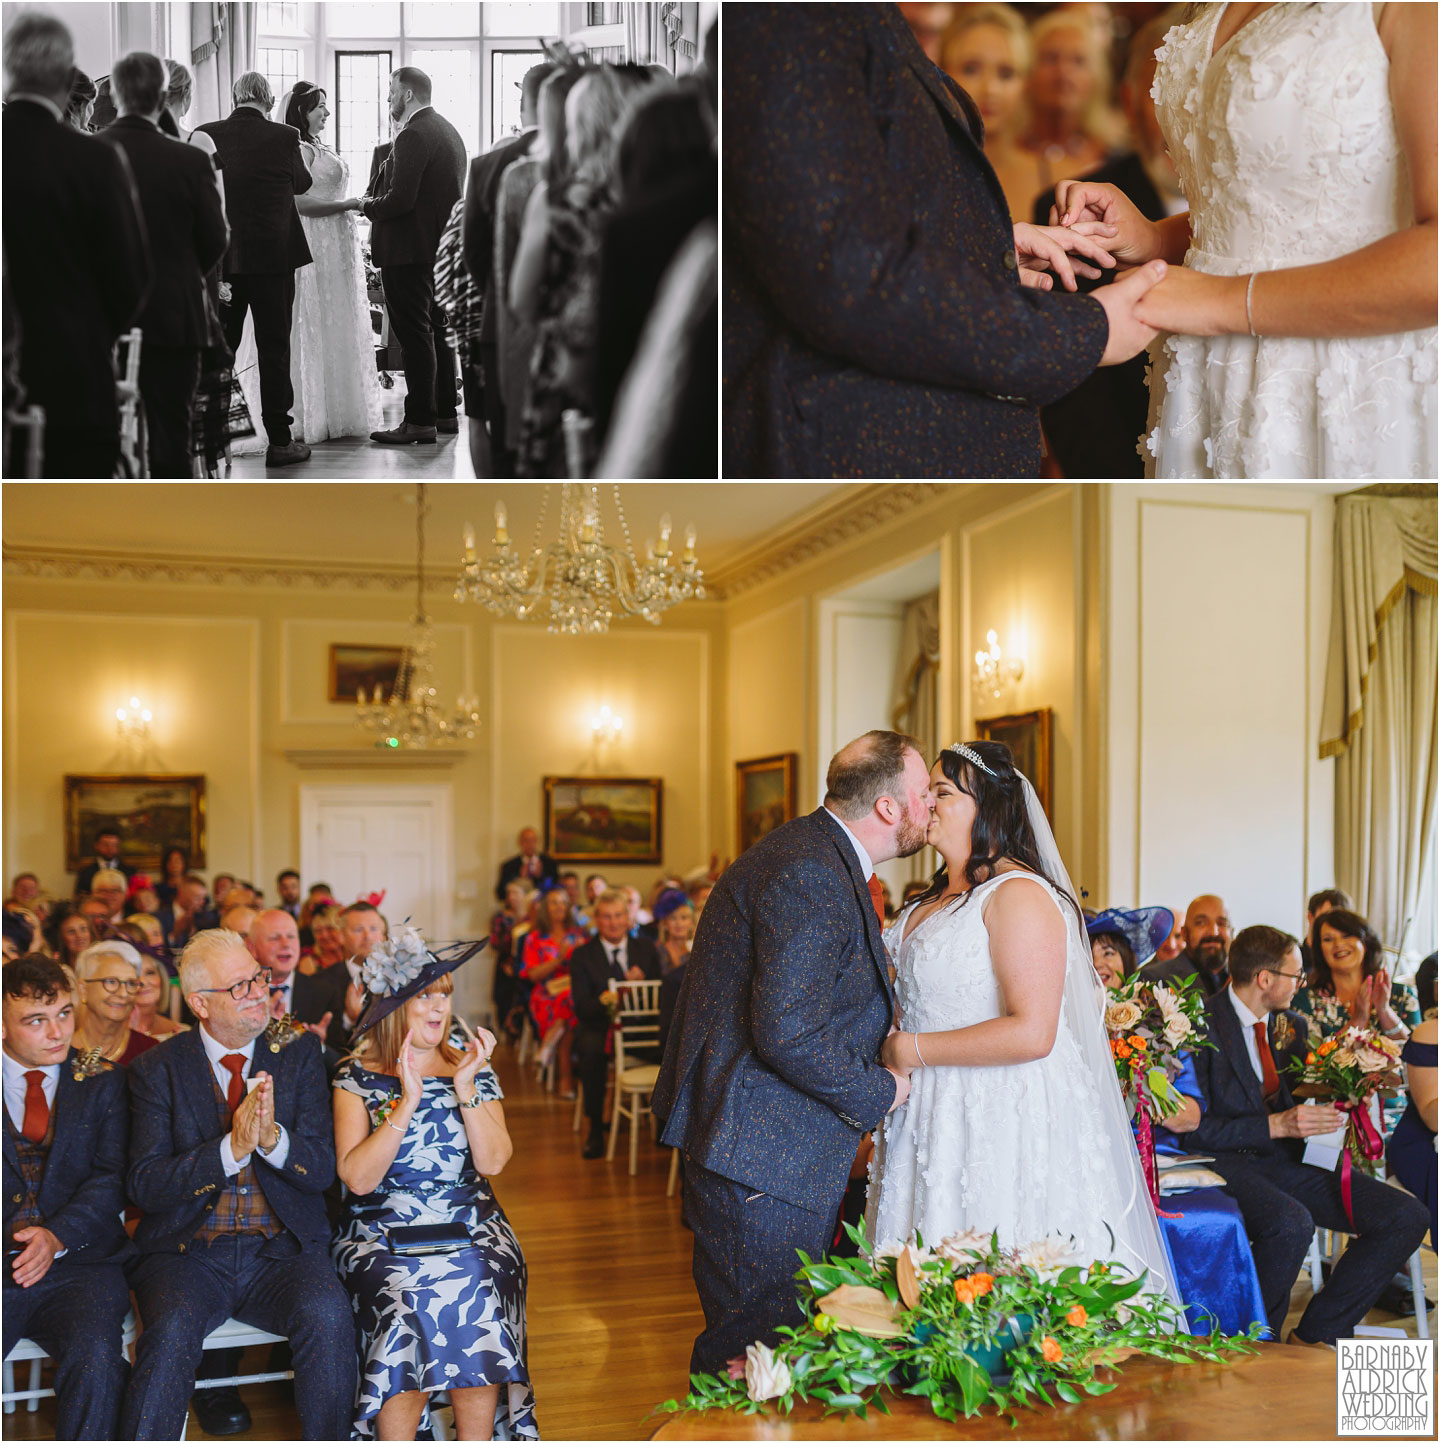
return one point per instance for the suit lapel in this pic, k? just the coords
(1237, 1054)
(196, 1079)
(873, 938)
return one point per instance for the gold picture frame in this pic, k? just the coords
(764, 796)
(354, 665)
(152, 811)
(1028, 735)
(603, 819)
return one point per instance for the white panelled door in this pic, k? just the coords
(395, 839)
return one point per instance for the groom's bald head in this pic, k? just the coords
(863, 771)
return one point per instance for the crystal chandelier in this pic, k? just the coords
(411, 718)
(579, 582)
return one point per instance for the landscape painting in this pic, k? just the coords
(603, 819)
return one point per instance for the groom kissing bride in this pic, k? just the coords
(983, 1069)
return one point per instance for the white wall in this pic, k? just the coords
(89, 26)
(1218, 614)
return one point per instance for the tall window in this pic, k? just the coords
(280, 65)
(362, 118)
(507, 72)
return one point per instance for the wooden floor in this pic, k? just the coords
(612, 1309)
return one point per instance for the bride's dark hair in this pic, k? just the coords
(1001, 828)
(303, 99)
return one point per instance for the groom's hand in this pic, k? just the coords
(1043, 249)
(902, 1087)
(1129, 335)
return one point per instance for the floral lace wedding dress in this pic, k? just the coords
(1286, 145)
(332, 346)
(1032, 1150)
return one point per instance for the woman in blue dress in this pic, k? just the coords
(418, 1131)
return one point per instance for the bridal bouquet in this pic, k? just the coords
(1152, 1025)
(964, 1325)
(1349, 1069)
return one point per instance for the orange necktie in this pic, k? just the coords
(1269, 1078)
(234, 1062)
(37, 1110)
(877, 896)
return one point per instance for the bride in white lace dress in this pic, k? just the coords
(1305, 138)
(1015, 1122)
(332, 345)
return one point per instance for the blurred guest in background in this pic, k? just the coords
(81, 105)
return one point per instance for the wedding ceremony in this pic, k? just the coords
(487, 960)
(1103, 241)
(420, 240)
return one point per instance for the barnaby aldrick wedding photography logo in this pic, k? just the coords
(1385, 1388)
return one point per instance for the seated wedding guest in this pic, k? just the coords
(230, 1178)
(109, 886)
(595, 887)
(518, 895)
(143, 927)
(287, 886)
(97, 909)
(19, 935)
(81, 104)
(73, 296)
(611, 956)
(640, 918)
(362, 929)
(141, 896)
(24, 889)
(1255, 1135)
(1174, 944)
(70, 933)
(650, 923)
(1349, 982)
(419, 1131)
(185, 221)
(314, 1000)
(571, 883)
(327, 948)
(66, 1122)
(986, 52)
(107, 856)
(220, 888)
(530, 864)
(1120, 941)
(675, 919)
(237, 916)
(151, 1016)
(187, 912)
(1411, 1151)
(1207, 947)
(109, 975)
(545, 964)
(1317, 906)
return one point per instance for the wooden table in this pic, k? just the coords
(1281, 1392)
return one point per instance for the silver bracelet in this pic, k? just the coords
(915, 1040)
(1249, 319)
(393, 1128)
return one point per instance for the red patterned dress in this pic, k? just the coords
(544, 1008)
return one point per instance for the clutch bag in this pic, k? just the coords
(418, 1239)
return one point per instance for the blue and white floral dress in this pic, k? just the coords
(448, 1320)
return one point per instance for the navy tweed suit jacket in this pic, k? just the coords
(875, 325)
(175, 1167)
(83, 1188)
(770, 1071)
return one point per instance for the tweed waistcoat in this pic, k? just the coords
(241, 1206)
(33, 1157)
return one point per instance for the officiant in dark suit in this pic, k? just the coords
(425, 173)
(66, 1124)
(771, 1071)
(882, 315)
(264, 171)
(76, 256)
(1256, 1134)
(188, 234)
(611, 956)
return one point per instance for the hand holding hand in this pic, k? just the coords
(898, 1053)
(1129, 334)
(1042, 249)
(1192, 303)
(1134, 240)
(902, 1088)
(635, 974)
(34, 1261)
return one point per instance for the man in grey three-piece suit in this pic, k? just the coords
(771, 1071)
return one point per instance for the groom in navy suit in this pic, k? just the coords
(879, 319)
(771, 1070)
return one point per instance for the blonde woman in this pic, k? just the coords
(419, 1130)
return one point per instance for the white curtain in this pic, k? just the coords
(915, 703)
(1379, 720)
(664, 34)
(222, 48)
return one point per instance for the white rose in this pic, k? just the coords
(1121, 1016)
(1177, 1029)
(766, 1376)
(958, 1247)
(1049, 1257)
(1371, 1060)
(1343, 1057)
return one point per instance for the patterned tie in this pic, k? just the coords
(877, 896)
(37, 1110)
(234, 1062)
(1269, 1078)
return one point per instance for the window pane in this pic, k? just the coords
(453, 90)
(279, 17)
(281, 68)
(362, 119)
(606, 13)
(517, 17)
(441, 17)
(350, 17)
(507, 70)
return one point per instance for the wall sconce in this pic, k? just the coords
(994, 672)
(132, 723)
(606, 727)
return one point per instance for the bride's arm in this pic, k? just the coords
(308, 206)
(1387, 286)
(1027, 950)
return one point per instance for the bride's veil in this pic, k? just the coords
(1138, 1243)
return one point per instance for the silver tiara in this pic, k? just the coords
(972, 757)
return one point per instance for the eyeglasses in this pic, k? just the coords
(1294, 976)
(241, 990)
(117, 984)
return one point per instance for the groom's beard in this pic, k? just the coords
(910, 837)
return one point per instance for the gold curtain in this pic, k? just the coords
(915, 706)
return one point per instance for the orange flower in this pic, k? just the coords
(982, 1283)
(1309, 1059)
(964, 1290)
(1122, 1048)
(1141, 1042)
(1050, 1350)
(1327, 1047)
(1077, 1317)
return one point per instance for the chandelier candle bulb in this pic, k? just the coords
(469, 542)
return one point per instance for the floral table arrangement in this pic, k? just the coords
(1349, 1069)
(964, 1326)
(1151, 1026)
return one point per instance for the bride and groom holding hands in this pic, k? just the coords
(885, 319)
(983, 1069)
(308, 358)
